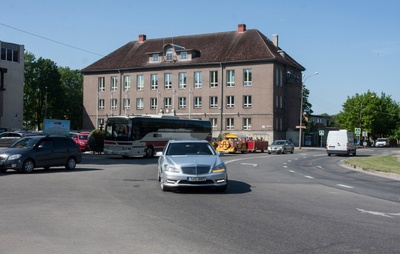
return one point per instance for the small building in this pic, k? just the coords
(240, 80)
(11, 86)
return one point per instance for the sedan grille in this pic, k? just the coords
(196, 170)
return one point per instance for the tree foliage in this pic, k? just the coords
(50, 92)
(379, 116)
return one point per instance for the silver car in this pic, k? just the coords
(281, 146)
(187, 163)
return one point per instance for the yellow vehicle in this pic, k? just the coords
(232, 144)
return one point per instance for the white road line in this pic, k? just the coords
(345, 186)
(309, 177)
(292, 171)
(249, 164)
(285, 166)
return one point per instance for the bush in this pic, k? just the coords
(96, 141)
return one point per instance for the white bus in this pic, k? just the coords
(145, 135)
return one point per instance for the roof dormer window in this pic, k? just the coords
(169, 54)
(155, 57)
(183, 55)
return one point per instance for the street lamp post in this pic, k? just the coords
(301, 107)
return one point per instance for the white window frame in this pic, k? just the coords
(153, 81)
(169, 54)
(247, 77)
(167, 102)
(102, 85)
(168, 81)
(101, 104)
(213, 101)
(153, 103)
(198, 79)
(114, 104)
(246, 124)
(230, 78)
(230, 124)
(230, 101)
(182, 80)
(114, 83)
(127, 83)
(213, 79)
(198, 102)
(181, 102)
(214, 123)
(127, 103)
(183, 55)
(140, 82)
(247, 101)
(139, 103)
(155, 58)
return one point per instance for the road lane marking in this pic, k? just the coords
(249, 164)
(390, 215)
(345, 186)
(309, 177)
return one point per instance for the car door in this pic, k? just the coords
(61, 151)
(44, 155)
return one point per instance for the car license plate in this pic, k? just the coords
(196, 179)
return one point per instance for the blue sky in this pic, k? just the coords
(353, 44)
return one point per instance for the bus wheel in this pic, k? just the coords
(149, 152)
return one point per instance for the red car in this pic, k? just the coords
(82, 140)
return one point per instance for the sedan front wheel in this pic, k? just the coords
(28, 166)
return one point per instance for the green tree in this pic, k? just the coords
(41, 90)
(379, 116)
(72, 83)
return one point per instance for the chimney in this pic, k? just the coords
(241, 28)
(142, 38)
(275, 40)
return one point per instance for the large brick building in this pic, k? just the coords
(241, 81)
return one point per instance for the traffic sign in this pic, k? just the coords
(357, 131)
(321, 132)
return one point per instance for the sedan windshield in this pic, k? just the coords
(278, 143)
(25, 143)
(190, 149)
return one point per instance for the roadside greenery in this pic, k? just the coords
(388, 164)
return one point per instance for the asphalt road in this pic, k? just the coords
(294, 203)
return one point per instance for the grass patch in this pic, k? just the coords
(388, 164)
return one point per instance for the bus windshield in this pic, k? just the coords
(118, 129)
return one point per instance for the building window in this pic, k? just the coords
(281, 101)
(197, 102)
(127, 83)
(247, 77)
(213, 79)
(281, 78)
(246, 123)
(277, 77)
(127, 103)
(113, 104)
(182, 80)
(9, 55)
(140, 82)
(182, 102)
(139, 103)
(153, 103)
(169, 56)
(198, 79)
(230, 124)
(168, 81)
(230, 78)
(114, 83)
(214, 122)
(167, 102)
(277, 123)
(101, 104)
(213, 102)
(154, 81)
(246, 101)
(230, 101)
(183, 55)
(155, 58)
(102, 85)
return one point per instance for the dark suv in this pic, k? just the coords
(40, 152)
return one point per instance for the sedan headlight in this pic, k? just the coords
(14, 156)
(171, 168)
(219, 168)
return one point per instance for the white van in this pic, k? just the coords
(340, 142)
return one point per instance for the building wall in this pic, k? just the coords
(12, 92)
(269, 119)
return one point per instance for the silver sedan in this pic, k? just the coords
(187, 163)
(281, 146)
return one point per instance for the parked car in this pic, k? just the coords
(82, 140)
(8, 138)
(187, 163)
(32, 152)
(382, 142)
(281, 147)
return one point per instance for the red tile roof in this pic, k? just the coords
(225, 47)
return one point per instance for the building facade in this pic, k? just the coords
(11, 86)
(239, 80)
